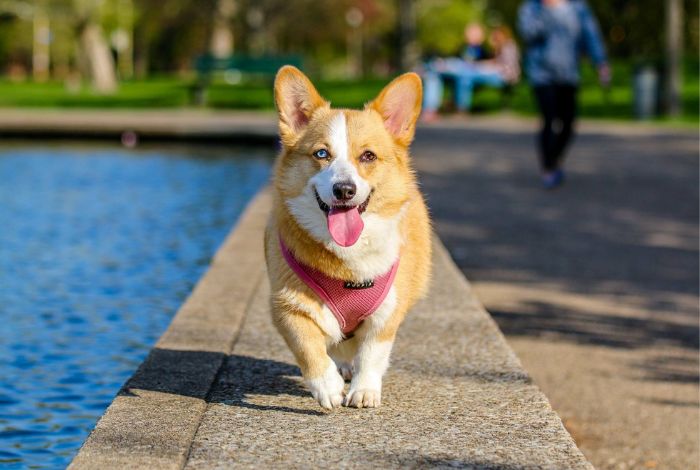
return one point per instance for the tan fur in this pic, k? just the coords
(304, 127)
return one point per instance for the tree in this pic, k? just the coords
(441, 24)
(408, 53)
(674, 53)
(222, 35)
(96, 55)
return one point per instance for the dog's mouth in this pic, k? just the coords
(326, 208)
(344, 222)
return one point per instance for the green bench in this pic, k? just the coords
(235, 69)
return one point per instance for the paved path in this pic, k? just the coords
(221, 390)
(595, 285)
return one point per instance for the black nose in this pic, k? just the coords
(344, 191)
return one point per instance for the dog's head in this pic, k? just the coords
(339, 167)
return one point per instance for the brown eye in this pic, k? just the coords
(368, 156)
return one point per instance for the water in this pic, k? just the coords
(98, 248)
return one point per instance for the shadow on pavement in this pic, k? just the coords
(607, 330)
(616, 247)
(189, 373)
(669, 368)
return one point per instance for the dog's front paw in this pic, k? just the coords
(328, 389)
(363, 398)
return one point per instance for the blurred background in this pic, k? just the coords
(104, 232)
(158, 53)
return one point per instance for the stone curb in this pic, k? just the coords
(152, 421)
(187, 125)
(247, 126)
(165, 416)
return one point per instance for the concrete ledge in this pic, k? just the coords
(175, 124)
(249, 126)
(220, 389)
(153, 419)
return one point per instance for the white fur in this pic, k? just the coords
(371, 357)
(324, 318)
(341, 168)
(370, 364)
(377, 248)
(328, 389)
(343, 354)
(376, 321)
(338, 137)
(363, 357)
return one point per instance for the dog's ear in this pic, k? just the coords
(399, 105)
(296, 100)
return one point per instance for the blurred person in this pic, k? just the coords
(556, 34)
(474, 37)
(437, 70)
(503, 69)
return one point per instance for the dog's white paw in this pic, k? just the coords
(345, 371)
(328, 389)
(363, 398)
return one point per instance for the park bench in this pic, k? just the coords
(505, 92)
(236, 68)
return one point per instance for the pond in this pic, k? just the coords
(99, 246)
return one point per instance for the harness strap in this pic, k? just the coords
(350, 302)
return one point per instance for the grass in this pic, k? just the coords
(171, 92)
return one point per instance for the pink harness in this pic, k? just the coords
(350, 302)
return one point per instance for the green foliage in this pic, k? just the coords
(158, 93)
(441, 23)
(170, 92)
(169, 34)
(15, 40)
(631, 29)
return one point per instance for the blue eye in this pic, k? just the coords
(322, 154)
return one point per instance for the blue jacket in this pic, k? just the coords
(555, 39)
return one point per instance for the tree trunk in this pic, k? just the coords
(100, 62)
(674, 56)
(222, 34)
(40, 48)
(408, 46)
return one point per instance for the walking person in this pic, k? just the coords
(556, 34)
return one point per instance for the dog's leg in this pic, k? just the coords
(370, 364)
(308, 343)
(343, 353)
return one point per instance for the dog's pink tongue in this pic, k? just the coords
(345, 225)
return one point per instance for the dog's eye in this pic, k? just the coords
(322, 154)
(368, 156)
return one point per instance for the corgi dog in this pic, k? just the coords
(348, 243)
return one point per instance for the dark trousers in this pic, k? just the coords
(557, 105)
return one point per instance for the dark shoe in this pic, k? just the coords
(553, 179)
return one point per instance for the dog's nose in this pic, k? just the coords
(344, 191)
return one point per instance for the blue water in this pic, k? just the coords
(98, 248)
